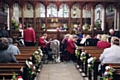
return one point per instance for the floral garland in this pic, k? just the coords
(108, 74)
(83, 57)
(37, 56)
(77, 53)
(91, 62)
(31, 69)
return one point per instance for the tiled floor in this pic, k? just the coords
(59, 71)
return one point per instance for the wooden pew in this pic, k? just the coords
(7, 69)
(90, 51)
(23, 58)
(27, 52)
(116, 67)
(88, 48)
(80, 63)
(28, 48)
(95, 53)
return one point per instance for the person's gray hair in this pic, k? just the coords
(4, 43)
(115, 40)
(10, 40)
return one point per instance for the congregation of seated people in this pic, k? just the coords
(67, 46)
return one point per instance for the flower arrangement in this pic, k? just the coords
(108, 74)
(83, 57)
(86, 27)
(15, 24)
(91, 61)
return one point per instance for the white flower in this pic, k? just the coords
(105, 73)
(41, 54)
(81, 58)
(107, 67)
(36, 52)
(90, 59)
(34, 67)
(89, 65)
(76, 51)
(83, 53)
(30, 63)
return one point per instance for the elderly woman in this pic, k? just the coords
(6, 56)
(112, 54)
(70, 48)
(104, 42)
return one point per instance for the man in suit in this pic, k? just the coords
(113, 33)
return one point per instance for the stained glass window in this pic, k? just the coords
(52, 10)
(63, 11)
(42, 10)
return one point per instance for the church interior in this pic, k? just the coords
(82, 23)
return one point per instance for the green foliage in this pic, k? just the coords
(15, 24)
(83, 57)
(14, 77)
(108, 75)
(91, 65)
(77, 53)
(87, 26)
(96, 24)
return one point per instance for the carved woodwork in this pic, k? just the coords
(37, 22)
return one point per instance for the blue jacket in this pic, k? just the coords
(7, 57)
